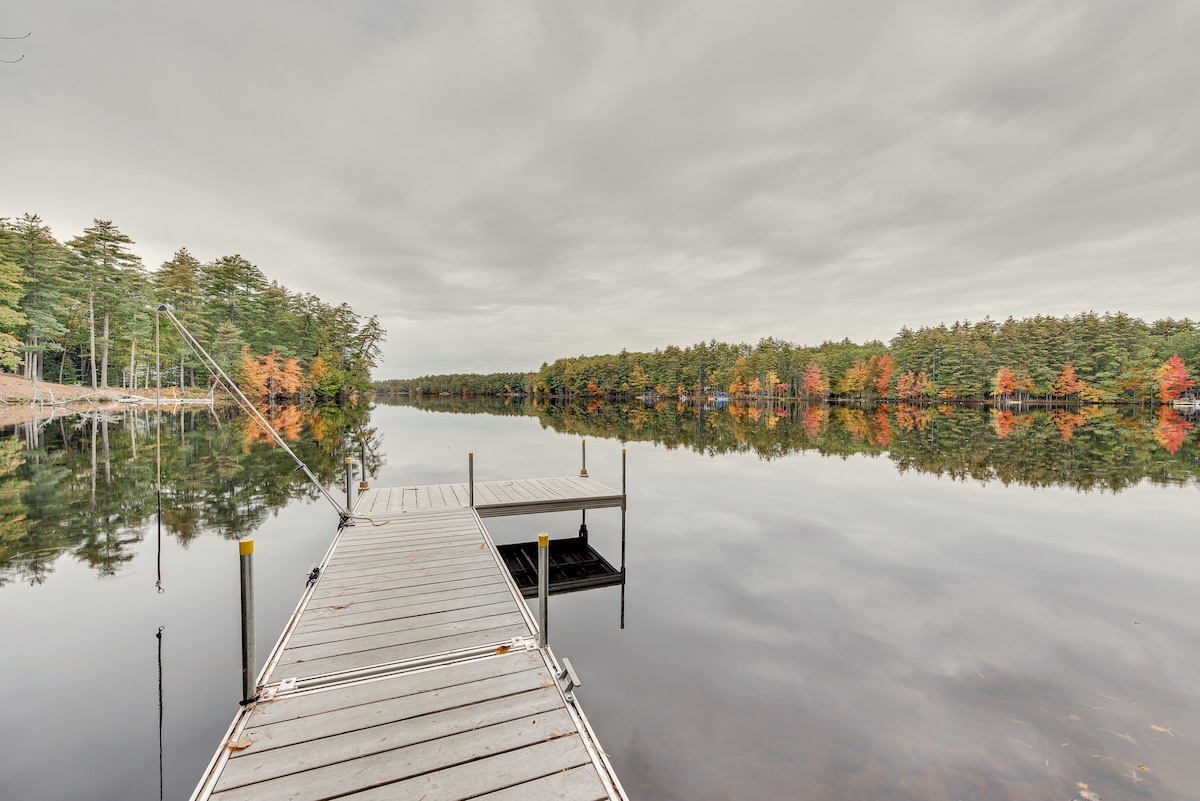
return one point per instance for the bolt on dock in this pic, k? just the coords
(412, 668)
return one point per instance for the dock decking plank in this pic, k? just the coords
(420, 720)
(395, 687)
(400, 695)
(406, 763)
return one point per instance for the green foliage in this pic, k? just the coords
(87, 488)
(457, 384)
(1111, 358)
(85, 305)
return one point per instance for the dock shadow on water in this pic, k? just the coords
(910, 602)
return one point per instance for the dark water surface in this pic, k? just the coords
(823, 603)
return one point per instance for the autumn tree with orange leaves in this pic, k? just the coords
(1005, 382)
(1068, 383)
(882, 368)
(271, 376)
(1172, 376)
(814, 381)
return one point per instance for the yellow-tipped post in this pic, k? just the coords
(249, 674)
(543, 589)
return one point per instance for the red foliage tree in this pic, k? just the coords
(1172, 378)
(1005, 382)
(814, 381)
(1068, 383)
(882, 368)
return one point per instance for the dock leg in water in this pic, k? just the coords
(249, 675)
(543, 590)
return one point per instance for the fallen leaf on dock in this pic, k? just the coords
(504, 649)
(238, 745)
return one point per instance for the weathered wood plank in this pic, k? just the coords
(358, 614)
(391, 688)
(295, 748)
(576, 784)
(485, 775)
(397, 636)
(389, 622)
(337, 596)
(414, 564)
(289, 667)
(413, 761)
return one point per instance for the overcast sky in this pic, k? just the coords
(504, 183)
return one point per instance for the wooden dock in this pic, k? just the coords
(411, 669)
(495, 498)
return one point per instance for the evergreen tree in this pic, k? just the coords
(102, 257)
(28, 244)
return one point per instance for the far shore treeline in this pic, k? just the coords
(1088, 357)
(82, 312)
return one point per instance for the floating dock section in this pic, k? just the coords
(411, 668)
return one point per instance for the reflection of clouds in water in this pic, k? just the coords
(840, 629)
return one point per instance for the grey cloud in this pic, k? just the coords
(507, 183)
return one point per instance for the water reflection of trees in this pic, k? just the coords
(85, 485)
(1084, 448)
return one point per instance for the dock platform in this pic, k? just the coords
(495, 498)
(411, 668)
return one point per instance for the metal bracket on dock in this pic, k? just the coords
(568, 673)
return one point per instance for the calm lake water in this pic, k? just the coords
(826, 603)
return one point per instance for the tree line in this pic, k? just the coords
(1088, 357)
(82, 312)
(1105, 448)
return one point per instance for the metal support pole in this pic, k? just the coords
(249, 674)
(543, 590)
(583, 468)
(623, 576)
(471, 478)
(583, 532)
(362, 482)
(349, 482)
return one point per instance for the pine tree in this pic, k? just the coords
(102, 256)
(28, 244)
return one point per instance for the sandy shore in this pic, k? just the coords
(18, 403)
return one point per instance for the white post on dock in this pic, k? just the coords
(471, 478)
(583, 468)
(249, 674)
(349, 481)
(543, 590)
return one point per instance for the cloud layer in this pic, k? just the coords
(504, 183)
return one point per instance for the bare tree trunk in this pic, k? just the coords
(92, 330)
(104, 350)
(132, 364)
(93, 416)
(107, 460)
